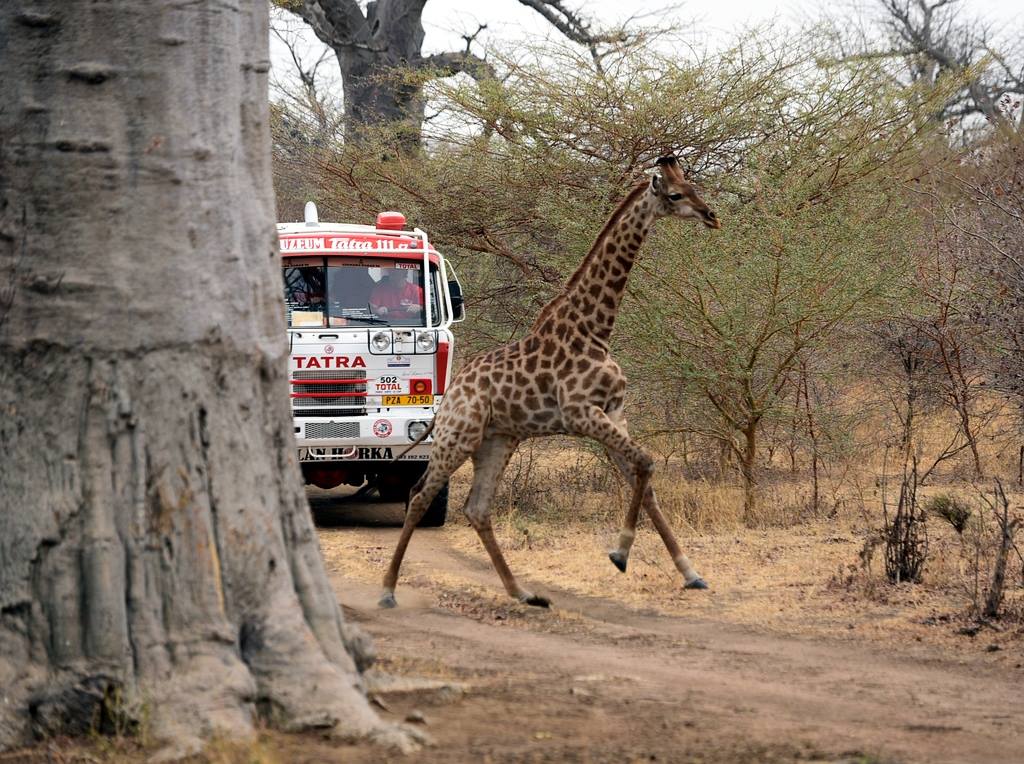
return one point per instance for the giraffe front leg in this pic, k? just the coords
(620, 555)
(637, 467)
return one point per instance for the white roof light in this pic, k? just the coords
(312, 218)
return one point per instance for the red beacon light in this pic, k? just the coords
(391, 221)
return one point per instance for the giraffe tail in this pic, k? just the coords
(416, 442)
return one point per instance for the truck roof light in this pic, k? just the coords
(391, 221)
(311, 215)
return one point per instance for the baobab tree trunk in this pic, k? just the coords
(157, 558)
(379, 92)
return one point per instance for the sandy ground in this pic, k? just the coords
(795, 654)
(778, 662)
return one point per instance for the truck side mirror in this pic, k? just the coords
(458, 302)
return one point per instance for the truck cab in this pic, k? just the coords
(369, 313)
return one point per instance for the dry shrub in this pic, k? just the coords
(551, 483)
(988, 546)
(906, 533)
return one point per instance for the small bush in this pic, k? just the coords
(952, 510)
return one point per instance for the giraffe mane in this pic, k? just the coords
(613, 219)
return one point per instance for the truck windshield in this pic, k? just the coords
(356, 291)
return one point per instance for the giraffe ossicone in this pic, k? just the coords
(559, 379)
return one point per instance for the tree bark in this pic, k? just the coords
(158, 563)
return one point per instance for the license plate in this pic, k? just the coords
(408, 400)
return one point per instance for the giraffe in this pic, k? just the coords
(558, 379)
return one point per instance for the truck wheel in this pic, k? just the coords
(437, 512)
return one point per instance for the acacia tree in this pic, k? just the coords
(820, 241)
(383, 68)
(158, 562)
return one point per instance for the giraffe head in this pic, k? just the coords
(676, 196)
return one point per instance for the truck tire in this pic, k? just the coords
(437, 512)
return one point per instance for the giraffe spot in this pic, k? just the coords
(521, 379)
(618, 284)
(609, 301)
(549, 347)
(596, 353)
(595, 290)
(531, 364)
(531, 402)
(559, 357)
(583, 366)
(578, 397)
(545, 381)
(517, 414)
(612, 249)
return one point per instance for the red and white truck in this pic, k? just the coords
(370, 310)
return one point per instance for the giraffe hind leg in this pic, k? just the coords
(489, 463)
(442, 464)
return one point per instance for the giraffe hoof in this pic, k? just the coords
(619, 560)
(697, 583)
(536, 600)
(387, 600)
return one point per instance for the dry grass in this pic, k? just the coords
(801, 570)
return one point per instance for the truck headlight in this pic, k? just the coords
(381, 342)
(416, 429)
(425, 342)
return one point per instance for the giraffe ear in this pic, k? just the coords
(656, 182)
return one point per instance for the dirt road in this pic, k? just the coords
(596, 681)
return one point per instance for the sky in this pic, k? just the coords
(710, 23)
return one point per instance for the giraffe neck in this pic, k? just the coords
(591, 297)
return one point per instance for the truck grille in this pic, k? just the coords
(348, 386)
(332, 430)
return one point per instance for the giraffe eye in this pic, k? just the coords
(675, 197)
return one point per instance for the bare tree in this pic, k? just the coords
(930, 40)
(382, 65)
(305, 98)
(158, 562)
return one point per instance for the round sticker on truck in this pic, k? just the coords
(382, 428)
